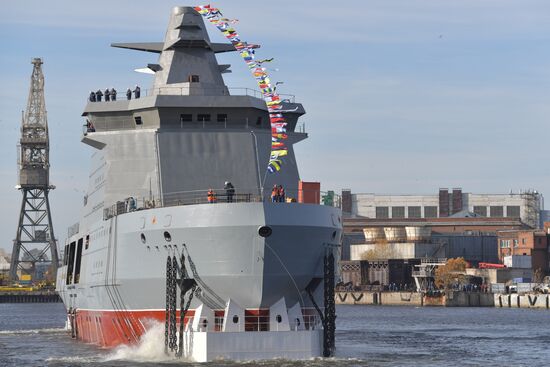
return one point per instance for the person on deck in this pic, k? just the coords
(128, 94)
(229, 191)
(137, 92)
(113, 94)
(211, 196)
(92, 96)
(275, 194)
(98, 95)
(281, 194)
(107, 95)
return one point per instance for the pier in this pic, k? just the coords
(417, 299)
(28, 296)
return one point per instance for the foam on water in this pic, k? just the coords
(149, 349)
(33, 331)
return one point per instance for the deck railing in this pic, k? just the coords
(196, 197)
(195, 91)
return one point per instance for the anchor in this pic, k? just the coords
(173, 342)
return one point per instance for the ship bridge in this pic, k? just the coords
(189, 131)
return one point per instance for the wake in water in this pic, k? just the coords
(34, 331)
(149, 349)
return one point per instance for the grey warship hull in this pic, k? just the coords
(153, 162)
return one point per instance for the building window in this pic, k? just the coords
(496, 211)
(203, 117)
(382, 212)
(512, 211)
(523, 241)
(504, 243)
(186, 117)
(398, 212)
(516, 243)
(222, 117)
(414, 212)
(430, 212)
(480, 210)
(193, 79)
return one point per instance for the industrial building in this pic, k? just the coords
(528, 244)
(527, 205)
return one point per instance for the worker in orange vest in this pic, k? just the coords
(211, 196)
(275, 194)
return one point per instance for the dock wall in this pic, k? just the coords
(450, 299)
(527, 300)
(29, 297)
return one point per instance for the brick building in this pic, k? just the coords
(532, 243)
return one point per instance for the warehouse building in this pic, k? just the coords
(527, 205)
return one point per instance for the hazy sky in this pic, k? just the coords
(401, 96)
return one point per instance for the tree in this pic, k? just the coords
(452, 272)
(381, 251)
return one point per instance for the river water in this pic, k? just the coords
(33, 335)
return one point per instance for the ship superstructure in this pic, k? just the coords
(258, 266)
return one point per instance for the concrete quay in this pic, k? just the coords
(523, 300)
(29, 297)
(448, 299)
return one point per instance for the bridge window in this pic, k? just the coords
(78, 261)
(138, 120)
(70, 265)
(193, 79)
(186, 117)
(222, 117)
(203, 117)
(259, 121)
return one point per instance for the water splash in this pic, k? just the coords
(33, 331)
(149, 349)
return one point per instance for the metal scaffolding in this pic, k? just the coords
(35, 235)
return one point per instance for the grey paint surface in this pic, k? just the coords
(119, 270)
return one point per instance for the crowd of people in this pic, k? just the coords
(111, 93)
(277, 194)
(229, 193)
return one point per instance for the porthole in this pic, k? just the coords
(265, 231)
(235, 319)
(204, 323)
(279, 319)
(168, 237)
(143, 240)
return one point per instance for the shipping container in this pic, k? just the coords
(518, 261)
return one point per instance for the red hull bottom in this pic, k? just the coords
(113, 328)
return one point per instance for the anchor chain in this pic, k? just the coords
(329, 321)
(329, 318)
(172, 341)
(167, 313)
(173, 304)
(183, 312)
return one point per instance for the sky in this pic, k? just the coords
(401, 96)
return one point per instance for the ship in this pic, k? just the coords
(234, 275)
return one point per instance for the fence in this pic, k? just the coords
(195, 197)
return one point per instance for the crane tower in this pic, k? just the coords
(35, 236)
